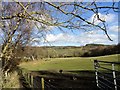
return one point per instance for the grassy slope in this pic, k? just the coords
(75, 63)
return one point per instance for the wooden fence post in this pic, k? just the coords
(31, 80)
(42, 83)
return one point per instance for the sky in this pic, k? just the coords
(80, 38)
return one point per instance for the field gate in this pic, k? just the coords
(107, 75)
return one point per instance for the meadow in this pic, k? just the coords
(71, 65)
(67, 64)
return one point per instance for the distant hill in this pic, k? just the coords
(89, 50)
(96, 45)
(101, 50)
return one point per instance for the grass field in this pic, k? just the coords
(72, 64)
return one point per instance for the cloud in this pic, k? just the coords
(83, 38)
(108, 18)
(114, 28)
(59, 37)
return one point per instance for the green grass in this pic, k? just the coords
(73, 64)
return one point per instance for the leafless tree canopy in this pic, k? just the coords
(21, 22)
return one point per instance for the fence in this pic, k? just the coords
(107, 75)
(45, 80)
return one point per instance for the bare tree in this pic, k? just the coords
(16, 33)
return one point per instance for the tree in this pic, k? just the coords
(16, 34)
(22, 21)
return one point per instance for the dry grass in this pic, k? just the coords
(12, 81)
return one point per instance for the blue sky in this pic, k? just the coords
(80, 37)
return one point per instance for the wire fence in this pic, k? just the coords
(57, 81)
(107, 75)
(38, 82)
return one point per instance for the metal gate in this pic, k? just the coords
(107, 74)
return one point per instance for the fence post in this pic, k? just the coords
(26, 76)
(31, 80)
(96, 71)
(42, 83)
(114, 77)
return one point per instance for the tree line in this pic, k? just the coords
(67, 51)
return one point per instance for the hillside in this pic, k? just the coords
(89, 50)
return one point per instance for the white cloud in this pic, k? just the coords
(83, 39)
(59, 37)
(108, 18)
(114, 28)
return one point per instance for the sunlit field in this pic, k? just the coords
(73, 63)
